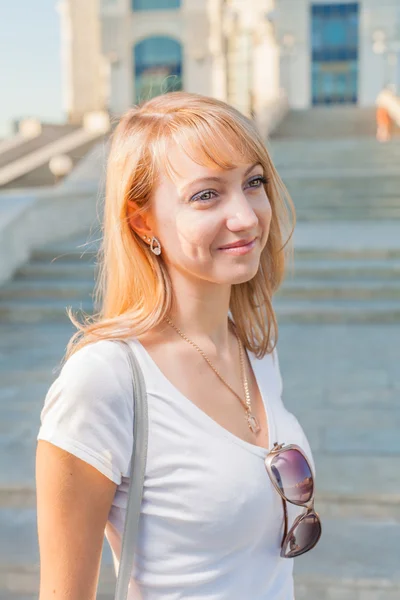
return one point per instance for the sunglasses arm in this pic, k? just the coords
(286, 521)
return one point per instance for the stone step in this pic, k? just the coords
(77, 290)
(337, 270)
(329, 165)
(288, 310)
(339, 258)
(330, 123)
(317, 214)
(62, 253)
(360, 240)
(352, 558)
(321, 168)
(341, 201)
(330, 202)
(35, 310)
(57, 270)
(347, 253)
(9, 595)
(357, 461)
(329, 205)
(349, 186)
(19, 556)
(307, 282)
(339, 311)
(345, 153)
(325, 289)
(324, 263)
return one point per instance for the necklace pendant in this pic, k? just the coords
(253, 423)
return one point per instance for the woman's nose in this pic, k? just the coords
(241, 214)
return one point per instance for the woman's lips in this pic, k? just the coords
(239, 250)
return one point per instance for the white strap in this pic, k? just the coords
(138, 467)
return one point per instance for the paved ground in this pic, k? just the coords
(342, 380)
(343, 384)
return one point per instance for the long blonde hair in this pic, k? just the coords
(133, 289)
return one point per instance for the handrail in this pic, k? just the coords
(41, 156)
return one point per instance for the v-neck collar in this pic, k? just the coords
(208, 421)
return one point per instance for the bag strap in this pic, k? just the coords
(138, 466)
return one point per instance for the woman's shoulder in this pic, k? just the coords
(97, 373)
(104, 350)
(97, 361)
(88, 409)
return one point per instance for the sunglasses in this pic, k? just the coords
(291, 475)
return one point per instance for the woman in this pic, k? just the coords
(193, 251)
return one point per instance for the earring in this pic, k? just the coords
(156, 249)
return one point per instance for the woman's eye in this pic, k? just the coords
(258, 181)
(204, 196)
(208, 195)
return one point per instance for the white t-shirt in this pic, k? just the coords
(211, 521)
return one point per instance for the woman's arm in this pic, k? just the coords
(73, 503)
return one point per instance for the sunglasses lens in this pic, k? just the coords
(304, 536)
(293, 476)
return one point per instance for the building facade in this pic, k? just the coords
(221, 48)
(337, 52)
(246, 52)
(212, 47)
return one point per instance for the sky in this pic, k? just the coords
(30, 62)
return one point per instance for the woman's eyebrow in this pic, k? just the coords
(215, 178)
(200, 180)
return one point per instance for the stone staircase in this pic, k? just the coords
(339, 315)
(334, 286)
(344, 394)
(330, 122)
(334, 168)
(58, 276)
(325, 286)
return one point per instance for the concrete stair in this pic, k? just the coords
(354, 439)
(333, 167)
(49, 134)
(42, 176)
(341, 287)
(345, 548)
(329, 122)
(58, 276)
(340, 372)
(334, 285)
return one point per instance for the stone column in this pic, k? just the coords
(83, 66)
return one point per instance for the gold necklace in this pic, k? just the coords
(250, 418)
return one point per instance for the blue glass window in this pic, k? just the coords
(158, 67)
(155, 4)
(335, 40)
(334, 32)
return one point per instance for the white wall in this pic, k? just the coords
(117, 52)
(198, 60)
(374, 69)
(293, 17)
(81, 56)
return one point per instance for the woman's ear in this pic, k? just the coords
(138, 221)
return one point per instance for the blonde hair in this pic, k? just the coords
(133, 289)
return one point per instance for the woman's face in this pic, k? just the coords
(203, 209)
